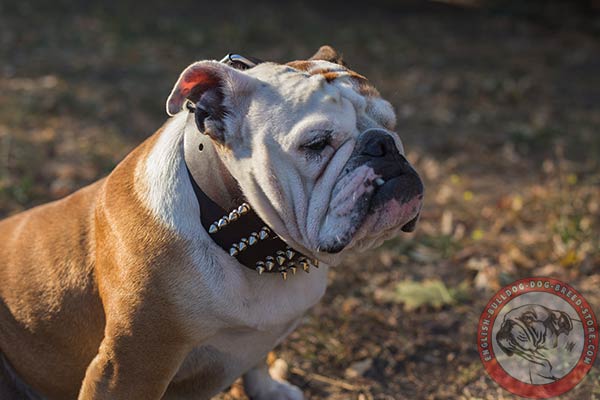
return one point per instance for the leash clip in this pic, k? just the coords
(239, 61)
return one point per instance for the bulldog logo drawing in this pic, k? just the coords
(537, 337)
(546, 341)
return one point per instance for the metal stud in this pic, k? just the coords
(260, 267)
(253, 239)
(233, 215)
(289, 253)
(233, 251)
(280, 257)
(243, 244)
(243, 209)
(315, 263)
(270, 263)
(213, 228)
(305, 266)
(291, 266)
(264, 233)
(222, 222)
(284, 275)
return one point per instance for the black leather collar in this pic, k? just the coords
(237, 229)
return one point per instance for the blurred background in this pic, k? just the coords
(498, 108)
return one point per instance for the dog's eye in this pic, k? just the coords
(527, 318)
(318, 144)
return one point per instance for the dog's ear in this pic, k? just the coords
(562, 322)
(215, 90)
(328, 53)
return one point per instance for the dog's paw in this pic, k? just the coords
(281, 391)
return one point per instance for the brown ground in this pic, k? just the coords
(497, 106)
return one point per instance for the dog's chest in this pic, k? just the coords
(247, 315)
(209, 368)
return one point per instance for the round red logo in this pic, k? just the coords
(537, 337)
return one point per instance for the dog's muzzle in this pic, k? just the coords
(398, 179)
(377, 193)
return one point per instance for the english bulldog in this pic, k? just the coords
(164, 279)
(542, 336)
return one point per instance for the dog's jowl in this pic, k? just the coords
(200, 252)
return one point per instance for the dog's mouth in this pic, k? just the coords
(411, 225)
(404, 192)
(368, 206)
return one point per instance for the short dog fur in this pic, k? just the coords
(117, 292)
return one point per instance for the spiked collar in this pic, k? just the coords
(229, 218)
(238, 229)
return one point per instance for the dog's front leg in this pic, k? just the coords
(260, 385)
(133, 363)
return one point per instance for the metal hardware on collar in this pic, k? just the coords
(191, 107)
(236, 60)
(286, 260)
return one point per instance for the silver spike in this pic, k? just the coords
(243, 244)
(253, 239)
(233, 215)
(233, 251)
(289, 253)
(293, 269)
(284, 275)
(264, 233)
(260, 267)
(280, 257)
(213, 228)
(315, 263)
(379, 182)
(305, 266)
(280, 260)
(270, 263)
(222, 222)
(243, 209)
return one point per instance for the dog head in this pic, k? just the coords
(532, 327)
(312, 146)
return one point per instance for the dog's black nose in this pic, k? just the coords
(377, 143)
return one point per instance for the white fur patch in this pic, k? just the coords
(224, 302)
(164, 183)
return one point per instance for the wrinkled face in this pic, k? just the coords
(314, 150)
(532, 327)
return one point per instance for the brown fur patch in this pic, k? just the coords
(48, 295)
(90, 277)
(362, 84)
(301, 65)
